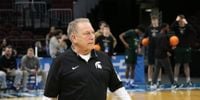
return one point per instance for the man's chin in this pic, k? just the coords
(91, 45)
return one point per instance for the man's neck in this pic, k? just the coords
(155, 25)
(80, 51)
(85, 57)
(30, 57)
(7, 57)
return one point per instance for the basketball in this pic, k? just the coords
(145, 41)
(174, 40)
(97, 47)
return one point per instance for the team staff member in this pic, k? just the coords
(82, 73)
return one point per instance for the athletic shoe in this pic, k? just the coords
(174, 86)
(189, 84)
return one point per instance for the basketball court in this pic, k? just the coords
(136, 91)
(189, 94)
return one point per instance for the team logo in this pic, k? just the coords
(98, 65)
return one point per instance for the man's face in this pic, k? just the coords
(8, 52)
(84, 39)
(52, 29)
(181, 23)
(30, 53)
(106, 31)
(102, 26)
(155, 22)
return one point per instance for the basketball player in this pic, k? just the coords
(151, 32)
(182, 52)
(131, 41)
(162, 53)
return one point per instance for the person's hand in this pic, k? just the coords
(169, 54)
(178, 18)
(185, 21)
(126, 45)
(33, 71)
(8, 70)
(36, 68)
(64, 37)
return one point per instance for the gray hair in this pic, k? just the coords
(72, 26)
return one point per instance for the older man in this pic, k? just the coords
(82, 73)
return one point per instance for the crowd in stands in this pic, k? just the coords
(21, 39)
(20, 44)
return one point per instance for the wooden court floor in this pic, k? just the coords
(153, 95)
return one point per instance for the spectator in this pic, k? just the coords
(54, 44)
(8, 66)
(48, 37)
(30, 66)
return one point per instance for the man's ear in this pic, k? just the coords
(73, 37)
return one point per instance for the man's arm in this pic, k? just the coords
(23, 64)
(114, 40)
(116, 86)
(52, 87)
(121, 37)
(122, 94)
(49, 98)
(37, 64)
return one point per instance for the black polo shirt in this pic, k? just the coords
(72, 78)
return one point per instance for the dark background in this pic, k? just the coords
(122, 15)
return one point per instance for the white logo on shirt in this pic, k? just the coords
(98, 65)
(73, 68)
